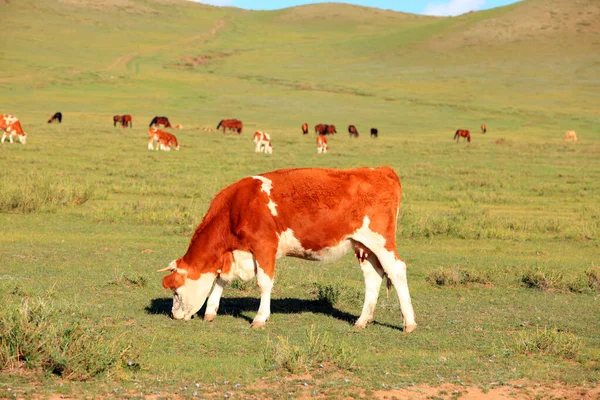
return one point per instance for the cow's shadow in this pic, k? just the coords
(245, 307)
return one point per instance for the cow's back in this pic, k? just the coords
(322, 206)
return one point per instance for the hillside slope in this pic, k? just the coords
(531, 60)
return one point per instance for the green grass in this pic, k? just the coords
(501, 235)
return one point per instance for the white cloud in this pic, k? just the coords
(215, 2)
(453, 7)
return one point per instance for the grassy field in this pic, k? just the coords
(501, 235)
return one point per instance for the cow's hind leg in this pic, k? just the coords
(373, 274)
(395, 269)
(212, 305)
(396, 272)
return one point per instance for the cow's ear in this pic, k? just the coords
(173, 281)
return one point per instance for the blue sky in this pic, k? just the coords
(427, 7)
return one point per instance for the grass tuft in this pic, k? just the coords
(543, 279)
(32, 337)
(35, 193)
(318, 348)
(548, 342)
(328, 295)
(457, 277)
(134, 280)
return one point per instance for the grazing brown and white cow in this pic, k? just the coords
(483, 128)
(289, 212)
(352, 131)
(164, 140)
(571, 135)
(304, 128)
(263, 143)
(11, 126)
(322, 144)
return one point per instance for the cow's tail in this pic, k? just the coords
(388, 285)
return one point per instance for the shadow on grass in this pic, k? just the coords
(238, 306)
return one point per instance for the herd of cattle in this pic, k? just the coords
(11, 127)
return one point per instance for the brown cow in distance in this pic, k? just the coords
(321, 129)
(352, 131)
(127, 121)
(164, 121)
(259, 219)
(56, 117)
(231, 124)
(304, 128)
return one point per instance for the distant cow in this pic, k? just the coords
(304, 128)
(163, 140)
(117, 119)
(321, 129)
(374, 132)
(231, 124)
(11, 126)
(56, 117)
(157, 121)
(310, 213)
(571, 136)
(462, 133)
(322, 144)
(352, 131)
(263, 143)
(127, 121)
(483, 128)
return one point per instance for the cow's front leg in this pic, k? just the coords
(3, 137)
(265, 283)
(212, 305)
(373, 274)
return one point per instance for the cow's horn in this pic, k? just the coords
(172, 267)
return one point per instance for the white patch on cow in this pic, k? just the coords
(267, 184)
(289, 245)
(272, 206)
(243, 267)
(189, 298)
(266, 187)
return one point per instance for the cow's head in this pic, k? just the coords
(23, 138)
(188, 294)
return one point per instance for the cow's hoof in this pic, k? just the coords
(410, 328)
(209, 317)
(258, 324)
(360, 325)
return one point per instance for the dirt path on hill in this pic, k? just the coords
(122, 61)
